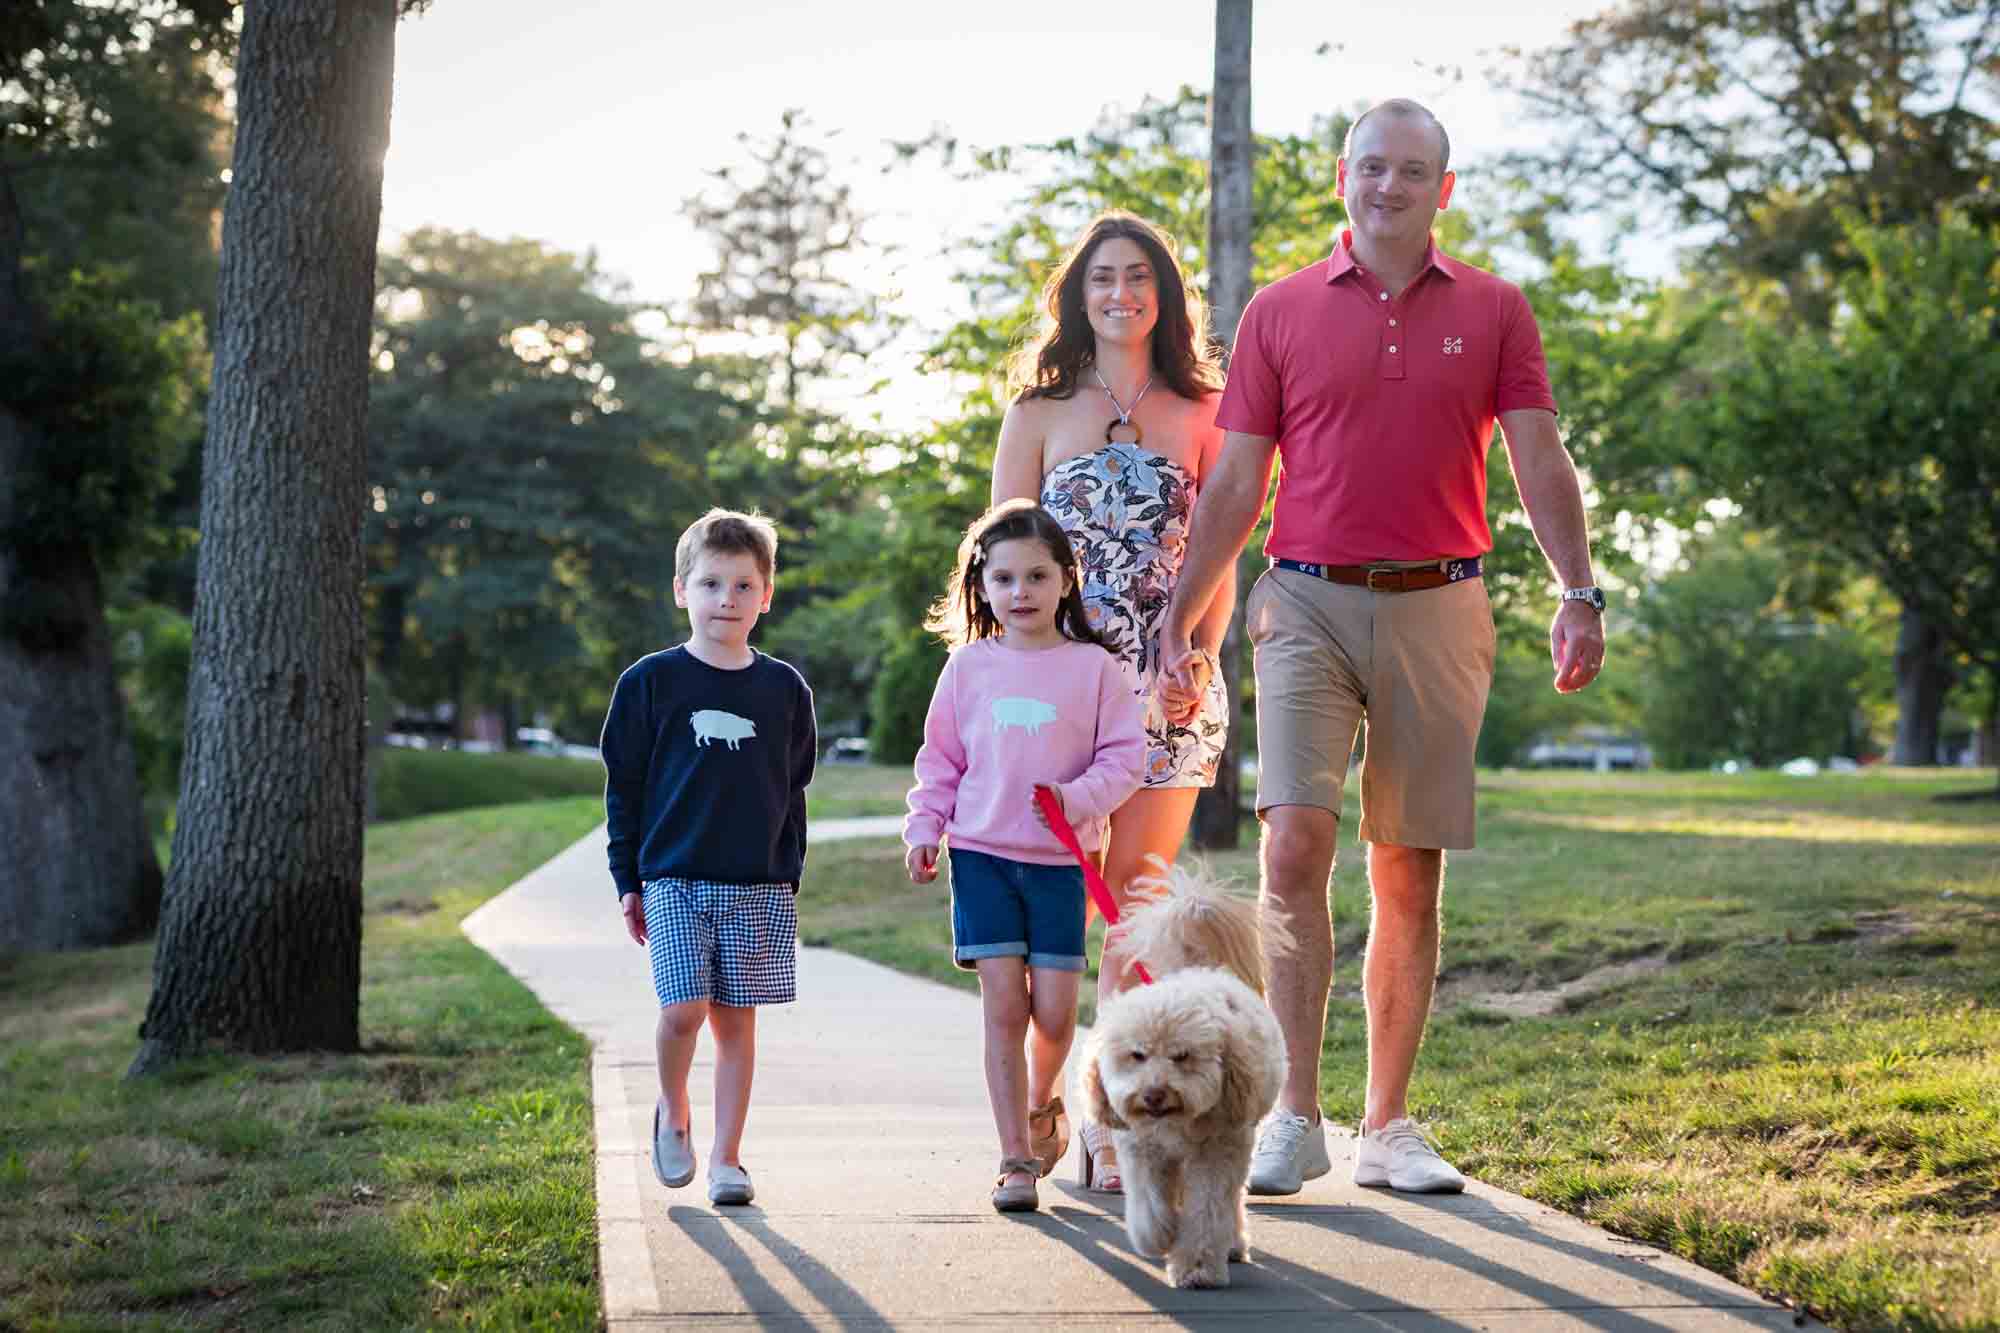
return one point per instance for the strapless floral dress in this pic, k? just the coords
(1126, 510)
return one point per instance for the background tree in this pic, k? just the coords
(781, 228)
(1754, 123)
(1875, 436)
(260, 934)
(1232, 172)
(107, 137)
(1735, 669)
(528, 447)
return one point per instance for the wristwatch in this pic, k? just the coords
(1594, 595)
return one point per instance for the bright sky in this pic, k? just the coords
(587, 124)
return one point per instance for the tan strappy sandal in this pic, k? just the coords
(1016, 1198)
(1097, 1164)
(1048, 1149)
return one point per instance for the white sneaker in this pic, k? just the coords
(1403, 1157)
(1290, 1151)
(729, 1184)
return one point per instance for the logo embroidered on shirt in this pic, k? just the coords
(1454, 346)
(712, 724)
(1027, 714)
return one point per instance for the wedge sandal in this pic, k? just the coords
(1048, 1149)
(1097, 1164)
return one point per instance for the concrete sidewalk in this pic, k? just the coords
(872, 1150)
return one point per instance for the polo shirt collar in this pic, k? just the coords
(1341, 262)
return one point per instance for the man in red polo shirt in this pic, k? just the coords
(1377, 375)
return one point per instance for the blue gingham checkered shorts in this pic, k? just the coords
(733, 944)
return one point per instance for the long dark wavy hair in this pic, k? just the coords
(963, 614)
(1185, 358)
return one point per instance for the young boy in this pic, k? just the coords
(707, 751)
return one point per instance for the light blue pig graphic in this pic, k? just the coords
(712, 724)
(1027, 714)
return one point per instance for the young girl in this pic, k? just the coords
(1030, 697)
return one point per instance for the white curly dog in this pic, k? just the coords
(1182, 1070)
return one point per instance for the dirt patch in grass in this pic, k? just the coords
(404, 907)
(1477, 989)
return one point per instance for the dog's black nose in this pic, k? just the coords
(1156, 1100)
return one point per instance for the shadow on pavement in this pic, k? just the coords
(715, 1234)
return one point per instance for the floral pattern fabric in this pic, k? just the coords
(1126, 511)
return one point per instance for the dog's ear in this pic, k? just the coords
(1094, 1095)
(1237, 1102)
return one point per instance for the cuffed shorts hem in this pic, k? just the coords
(973, 953)
(1056, 962)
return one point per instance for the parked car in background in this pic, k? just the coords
(1595, 748)
(848, 750)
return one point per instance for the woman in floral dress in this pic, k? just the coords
(1113, 430)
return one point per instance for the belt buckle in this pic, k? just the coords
(1384, 574)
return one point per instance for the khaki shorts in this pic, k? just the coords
(1416, 666)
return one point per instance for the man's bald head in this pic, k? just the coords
(1403, 106)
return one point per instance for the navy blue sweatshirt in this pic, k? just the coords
(706, 771)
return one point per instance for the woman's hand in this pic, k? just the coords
(921, 862)
(1183, 682)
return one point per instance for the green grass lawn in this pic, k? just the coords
(1752, 1019)
(442, 1176)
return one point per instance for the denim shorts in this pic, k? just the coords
(731, 944)
(1013, 909)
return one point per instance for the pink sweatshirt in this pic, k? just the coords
(1002, 721)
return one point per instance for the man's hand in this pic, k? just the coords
(633, 905)
(1184, 677)
(1576, 646)
(921, 862)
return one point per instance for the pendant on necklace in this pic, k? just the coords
(1120, 423)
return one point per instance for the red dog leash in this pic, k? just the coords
(1093, 882)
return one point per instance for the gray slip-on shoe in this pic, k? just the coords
(673, 1153)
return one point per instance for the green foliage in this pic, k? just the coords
(780, 231)
(902, 697)
(1733, 670)
(533, 456)
(108, 394)
(154, 645)
(1755, 120)
(410, 783)
(1875, 436)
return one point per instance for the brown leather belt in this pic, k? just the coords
(1376, 579)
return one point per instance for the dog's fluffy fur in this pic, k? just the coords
(1181, 918)
(1181, 1072)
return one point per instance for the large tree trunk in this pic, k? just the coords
(260, 937)
(1216, 811)
(78, 871)
(1922, 677)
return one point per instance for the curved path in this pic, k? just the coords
(872, 1149)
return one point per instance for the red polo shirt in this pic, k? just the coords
(1383, 406)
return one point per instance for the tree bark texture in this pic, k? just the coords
(1922, 677)
(260, 935)
(1217, 810)
(77, 870)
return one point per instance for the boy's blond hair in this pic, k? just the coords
(725, 532)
